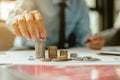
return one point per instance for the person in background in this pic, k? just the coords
(39, 19)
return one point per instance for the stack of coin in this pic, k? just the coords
(40, 50)
(52, 52)
(73, 56)
(86, 58)
(64, 53)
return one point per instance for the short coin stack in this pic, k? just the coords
(63, 56)
(40, 50)
(52, 52)
(64, 53)
(73, 56)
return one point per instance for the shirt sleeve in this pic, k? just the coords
(20, 6)
(82, 28)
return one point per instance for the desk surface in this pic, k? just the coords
(22, 57)
(15, 65)
(43, 72)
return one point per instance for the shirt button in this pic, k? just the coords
(66, 45)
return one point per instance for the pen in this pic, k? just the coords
(87, 41)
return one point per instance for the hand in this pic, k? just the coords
(95, 42)
(30, 25)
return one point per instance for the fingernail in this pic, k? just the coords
(38, 35)
(43, 40)
(28, 38)
(34, 38)
(37, 32)
(18, 35)
(42, 36)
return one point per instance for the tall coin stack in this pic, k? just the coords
(40, 50)
(52, 52)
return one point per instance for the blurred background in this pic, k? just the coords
(102, 15)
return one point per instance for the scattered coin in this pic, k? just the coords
(56, 60)
(87, 58)
(61, 58)
(96, 59)
(52, 54)
(116, 58)
(78, 59)
(31, 58)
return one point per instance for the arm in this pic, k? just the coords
(20, 6)
(27, 23)
(82, 28)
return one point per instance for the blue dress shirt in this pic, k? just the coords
(77, 19)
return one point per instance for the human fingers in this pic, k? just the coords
(100, 39)
(97, 42)
(31, 25)
(94, 44)
(23, 27)
(94, 38)
(15, 28)
(91, 38)
(40, 24)
(94, 47)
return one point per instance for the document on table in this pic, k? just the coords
(110, 51)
